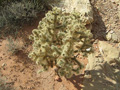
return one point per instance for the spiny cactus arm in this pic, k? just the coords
(78, 63)
(56, 49)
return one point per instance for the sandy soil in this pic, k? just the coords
(21, 73)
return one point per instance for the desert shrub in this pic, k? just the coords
(3, 2)
(56, 40)
(36, 2)
(13, 46)
(14, 15)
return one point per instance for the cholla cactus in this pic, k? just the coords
(54, 41)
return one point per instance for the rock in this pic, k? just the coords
(103, 71)
(109, 36)
(4, 64)
(112, 36)
(109, 53)
(96, 41)
(82, 6)
(100, 75)
(57, 78)
(93, 61)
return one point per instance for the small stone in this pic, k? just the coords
(111, 32)
(4, 64)
(114, 37)
(109, 36)
(57, 78)
(109, 53)
(88, 49)
(96, 41)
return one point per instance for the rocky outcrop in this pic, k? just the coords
(103, 69)
(82, 6)
(112, 36)
(109, 52)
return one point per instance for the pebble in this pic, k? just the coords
(4, 64)
(96, 41)
(114, 37)
(111, 31)
(57, 78)
(88, 49)
(111, 36)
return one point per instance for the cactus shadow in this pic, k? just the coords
(23, 58)
(102, 81)
(98, 25)
(77, 81)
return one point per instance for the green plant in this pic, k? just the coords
(14, 15)
(44, 3)
(55, 39)
(3, 2)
